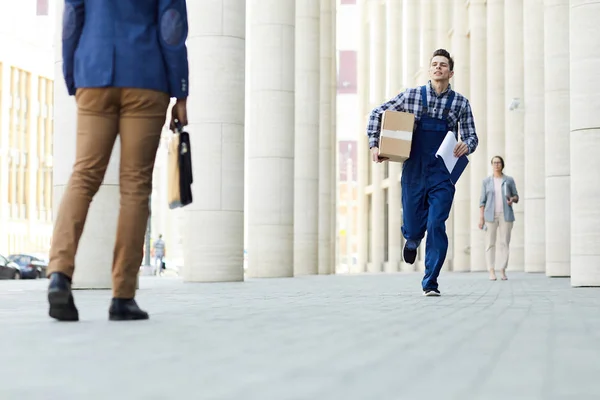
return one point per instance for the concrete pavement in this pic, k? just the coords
(361, 337)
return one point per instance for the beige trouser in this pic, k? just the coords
(137, 117)
(497, 241)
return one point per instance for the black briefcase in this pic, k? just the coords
(180, 168)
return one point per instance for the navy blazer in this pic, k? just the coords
(126, 43)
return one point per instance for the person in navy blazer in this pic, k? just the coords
(123, 60)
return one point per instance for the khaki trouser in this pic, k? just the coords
(137, 117)
(497, 241)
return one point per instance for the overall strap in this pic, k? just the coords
(424, 101)
(449, 103)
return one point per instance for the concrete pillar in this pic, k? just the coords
(462, 200)
(557, 117)
(95, 253)
(428, 35)
(443, 23)
(394, 86)
(378, 56)
(327, 194)
(214, 222)
(412, 67)
(443, 10)
(334, 159)
(535, 177)
(306, 159)
(412, 32)
(478, 161)
(515, 122)
(363, 154)
(495, 79)
(585, 143)
(271, 138)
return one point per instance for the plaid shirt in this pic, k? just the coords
(410, 101)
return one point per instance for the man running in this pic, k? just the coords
(427, 191)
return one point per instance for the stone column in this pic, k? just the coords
(377, 25)
(95, 253)
(214, 222)
(535, 178)
(462, 200)
(443, 9)
(394, 86)
(271, 139)
(478, 161)
(412, 33)
(326, 172)
(443, 23)
(557, 117)
(515, 122)
(585, 143)
(334, 161)
(363, 155)
(306, 159)
(495, 79)
(428, 35)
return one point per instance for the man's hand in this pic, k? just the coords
(461, 149)
(511, 200)
(179, 112)
(481, 223)
(375, 155)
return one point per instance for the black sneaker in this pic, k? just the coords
(431, 293)
(409, 255)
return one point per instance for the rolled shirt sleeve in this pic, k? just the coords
(374, 125)
(468, 133)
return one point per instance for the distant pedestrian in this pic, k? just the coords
(159, 254)
(498, 194)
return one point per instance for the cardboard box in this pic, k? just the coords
(396, 135)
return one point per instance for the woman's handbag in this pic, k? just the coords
(180, 168)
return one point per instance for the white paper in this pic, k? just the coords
(446, 151)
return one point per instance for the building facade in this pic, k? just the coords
(525, 65)
(26, 128)
(267, 111)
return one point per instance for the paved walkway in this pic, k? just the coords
(363, 337)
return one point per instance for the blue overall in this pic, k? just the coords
(427, 191)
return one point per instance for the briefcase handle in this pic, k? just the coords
(178, 126)
(179, 130)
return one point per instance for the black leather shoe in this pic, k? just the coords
(62, 304)
(125, 310)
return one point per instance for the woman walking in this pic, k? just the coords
(498, 194)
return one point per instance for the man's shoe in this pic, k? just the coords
(431, 293)
(410, 252)
(62, 304)
(125, 310)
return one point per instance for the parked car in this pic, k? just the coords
(32, 265)
(9, 269)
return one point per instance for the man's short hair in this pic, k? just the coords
(444, 53)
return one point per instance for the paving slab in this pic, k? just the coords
(363, 337)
